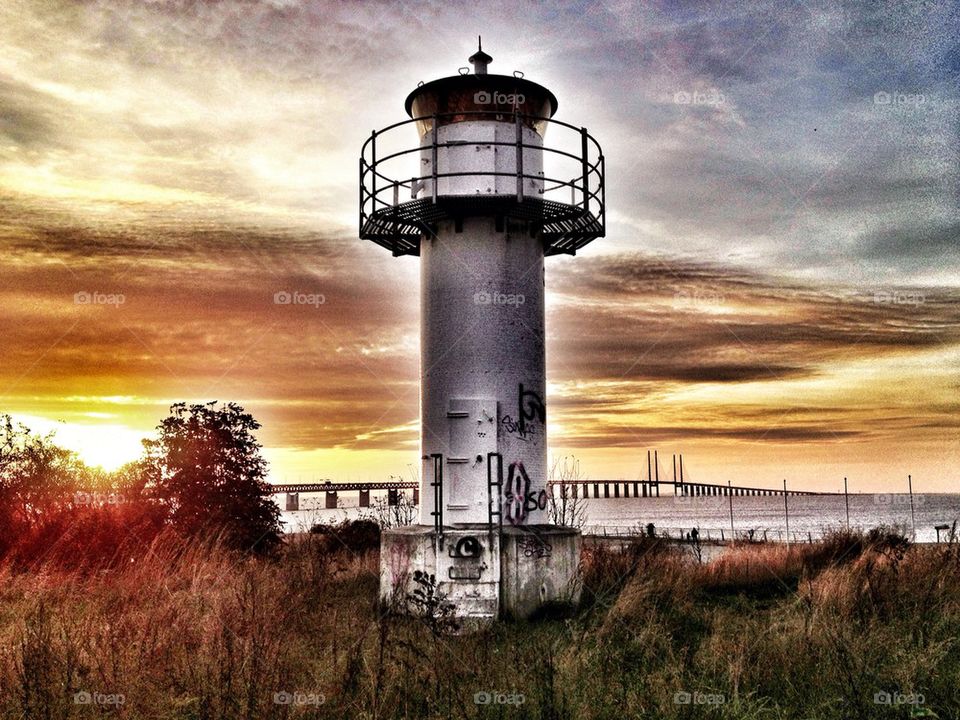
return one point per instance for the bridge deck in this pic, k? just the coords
(679, 488)
(343, 487)
(693, 488)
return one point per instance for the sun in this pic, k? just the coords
(105, 445)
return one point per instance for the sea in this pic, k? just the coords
(807, 516)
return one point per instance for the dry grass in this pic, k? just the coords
(191, 630)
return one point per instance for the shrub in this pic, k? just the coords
(355, 536)
(206, 468)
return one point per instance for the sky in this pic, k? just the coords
(778, 294)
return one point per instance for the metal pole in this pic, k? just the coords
(396, 204)
(585, 169)
(786, 510)
(846, 499)
(373, 168)
(362, 181)
(733, 535)
(603, 193)
(913, 518)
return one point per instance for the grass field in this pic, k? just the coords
(853, 627)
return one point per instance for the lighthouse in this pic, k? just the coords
(472, 185)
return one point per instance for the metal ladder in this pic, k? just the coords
(437, 486)
(495, 500)
(495, 510)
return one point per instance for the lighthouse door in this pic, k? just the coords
(472, 426)
(468, 563)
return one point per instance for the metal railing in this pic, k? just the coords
(380, 189)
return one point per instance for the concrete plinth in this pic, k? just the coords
(540, 568)
(485, 575)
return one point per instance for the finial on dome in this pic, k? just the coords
(480, 59)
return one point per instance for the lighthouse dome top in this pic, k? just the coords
(462, 97)
(481, 150)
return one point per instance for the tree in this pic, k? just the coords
(567, 508)
(206, 467)
(36, 477)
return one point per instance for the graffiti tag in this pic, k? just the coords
(533, 546)
(529, 407)
(518, 499)
(515, 427)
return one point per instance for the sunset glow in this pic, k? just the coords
(779, 294)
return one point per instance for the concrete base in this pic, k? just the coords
(484, 575)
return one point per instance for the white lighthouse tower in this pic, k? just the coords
(482, 199)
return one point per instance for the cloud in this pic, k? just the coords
(24, 120)
(789, 245)
(631, 436)
(933, 241)
(640, 317)
(627, 333)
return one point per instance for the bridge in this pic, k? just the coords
(572, 488)
(330, 489)
(647, 488)
(681, 487)
(576, 488)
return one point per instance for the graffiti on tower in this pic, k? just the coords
(518, 499)
(530, 409)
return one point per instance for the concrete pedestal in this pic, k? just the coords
(485, 575)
